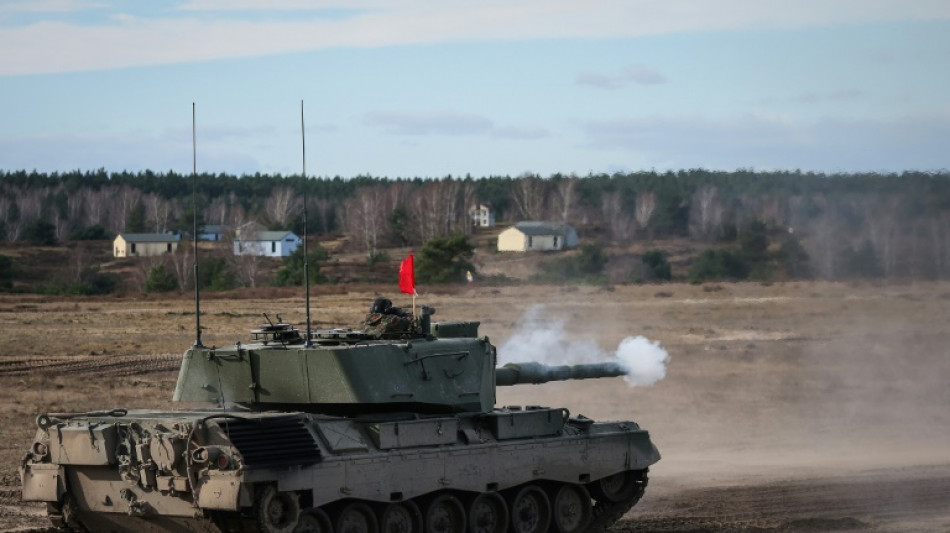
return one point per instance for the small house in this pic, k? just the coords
(482, 216)
(532, 235)
(145, 244)
(213, 232)
(266, 243)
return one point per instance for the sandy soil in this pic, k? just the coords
(798, 407)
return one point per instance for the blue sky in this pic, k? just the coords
(430, 88)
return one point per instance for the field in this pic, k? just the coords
(794, 407)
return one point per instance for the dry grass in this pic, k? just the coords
(765, 382)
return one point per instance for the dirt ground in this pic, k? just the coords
(795, 407)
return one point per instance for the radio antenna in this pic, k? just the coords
(194, 224)
(306, 257)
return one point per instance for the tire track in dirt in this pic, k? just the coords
(908, 500)
(16, 515)
(893, 500)
(120, 365)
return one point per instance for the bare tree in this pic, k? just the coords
(248, 268)
(459, 199)
(528, 194)
(705, 221)
(75, 209)
(939, 240)
(159, 212)
(280, 206)
(237, 216)
(440, 208)
(217, 211)
(883, 224)
(828, 233)
(30, 205)
(564, 197)
(59, 214)
(324, 210)
(183, 264)
(61, 225)
(125, 199)
(620, 223)
(9, 221)
(644, 208)
(97, 209)
(423, 208)
(364, 217)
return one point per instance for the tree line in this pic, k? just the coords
(837, 225)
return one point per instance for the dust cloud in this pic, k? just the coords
(544, 340)
(789, 407)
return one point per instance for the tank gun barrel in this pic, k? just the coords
(519, 373)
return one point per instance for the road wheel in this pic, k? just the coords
(404, 517)
(487, 513)
(445, 514)
(277, 512)
(356, 517)
(571, 509)
(314, 521)
(530, 511)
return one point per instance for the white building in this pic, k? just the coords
(532, 235)
(266, 243)
(482, 216)
(145, 244)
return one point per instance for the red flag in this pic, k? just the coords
(407, 277)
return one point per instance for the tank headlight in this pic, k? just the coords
(40, 450)
(213, 456)
(201, 455)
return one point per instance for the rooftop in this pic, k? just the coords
(531, 227)
(150, 237)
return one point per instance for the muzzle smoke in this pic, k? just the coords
(544, 340)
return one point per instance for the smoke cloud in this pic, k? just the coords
(544, 339)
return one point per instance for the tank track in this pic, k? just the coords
(606, 513)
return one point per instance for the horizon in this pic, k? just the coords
(754, 173)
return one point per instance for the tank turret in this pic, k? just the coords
(388, 426)
(394, 362)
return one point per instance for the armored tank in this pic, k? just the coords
(389, 427)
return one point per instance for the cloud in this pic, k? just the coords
(47, 6)
(197, 32)
(451, 123)
(834, 96)
(225, 133)
(429, 123)
(777, 142)
(520, 133)
(317, 9)
(847, 95)
(636, 74)
(275, 5)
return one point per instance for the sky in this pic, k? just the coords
(426, 88)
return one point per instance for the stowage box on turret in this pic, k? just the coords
(387, 428)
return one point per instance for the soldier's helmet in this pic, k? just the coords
(381, 306)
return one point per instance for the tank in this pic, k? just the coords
(388, 427)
